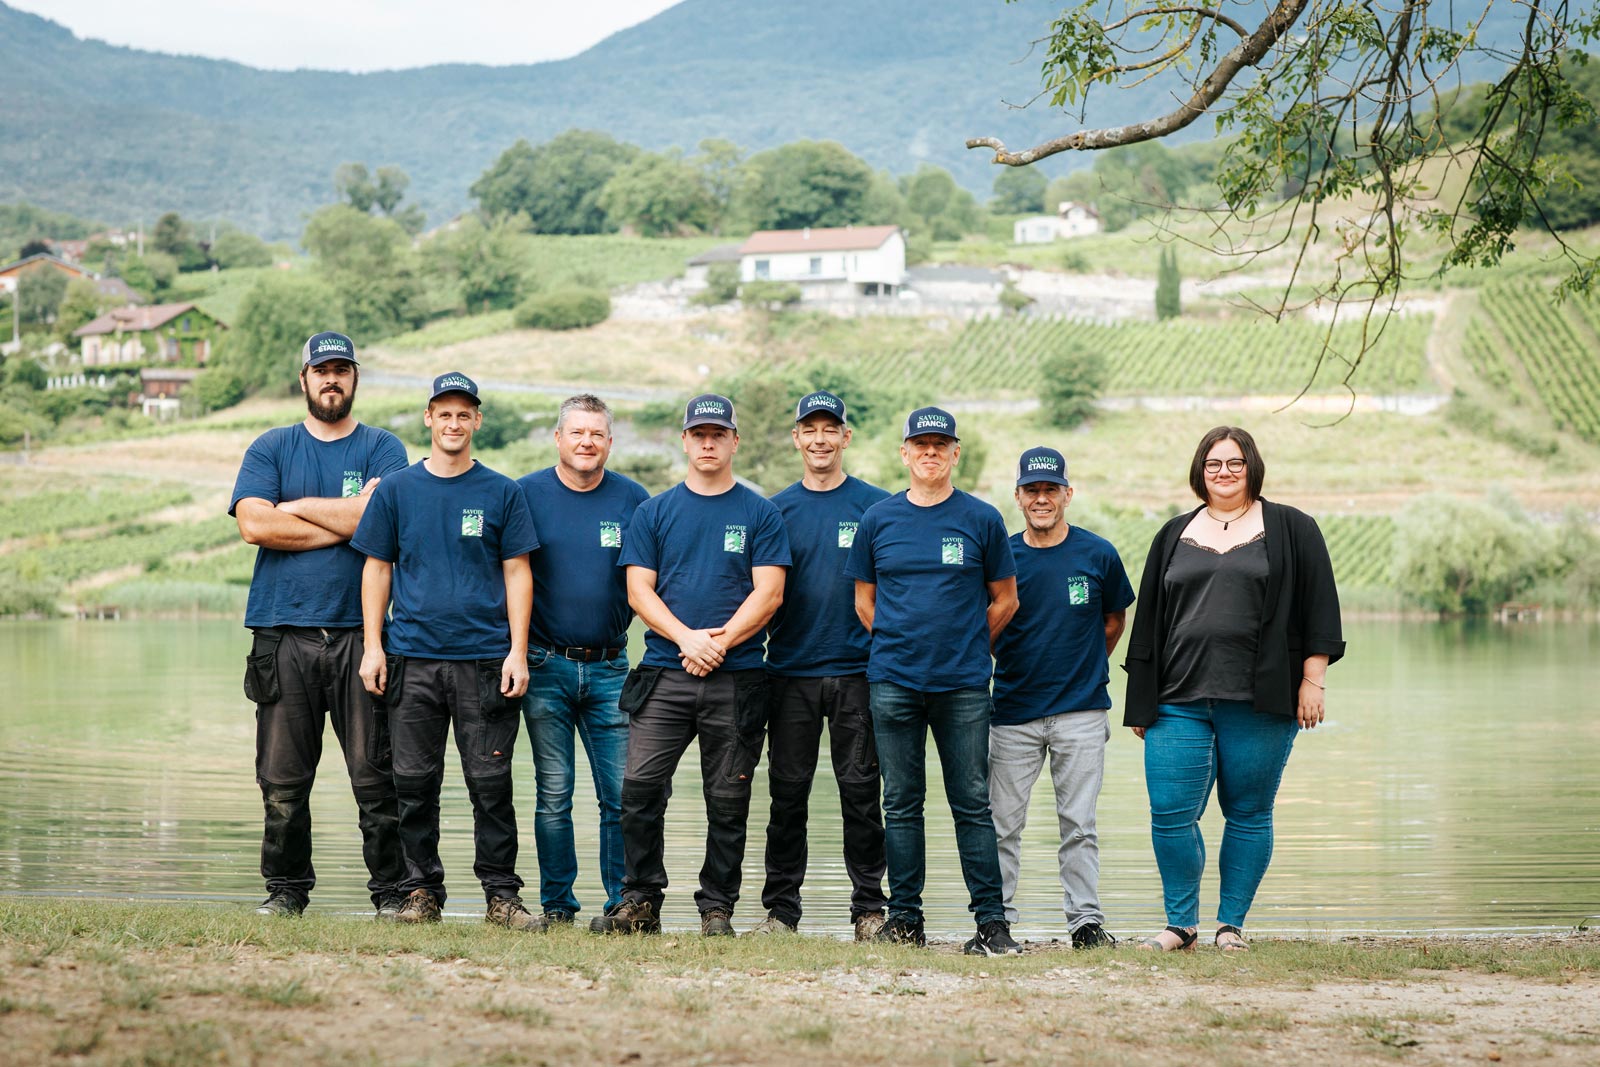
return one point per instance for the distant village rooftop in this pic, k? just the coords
(133, 319)
(818, 239)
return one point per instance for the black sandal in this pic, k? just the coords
(1186, 940)
(1225, 928)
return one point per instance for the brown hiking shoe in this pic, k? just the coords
(628, 917)
(716, 923)
(420, 907)
(772, 924)
(509, 912)
(868, 925)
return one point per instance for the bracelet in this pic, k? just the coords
(1318, 684)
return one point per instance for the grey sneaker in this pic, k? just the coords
(868, 925)
(390, 901)
(421, 906)
(772, 925)
(509, 912)
(282, 905)
(628, 917)
(716, 923)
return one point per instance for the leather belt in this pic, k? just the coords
(587, 655)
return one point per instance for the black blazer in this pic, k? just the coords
(1302, 614)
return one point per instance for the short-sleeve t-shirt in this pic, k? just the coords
(447, 538)
(320, 586)
(580, 595)
(816, 634)
(930, 628)
(1051, 658)
(704, 550)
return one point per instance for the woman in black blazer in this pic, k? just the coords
(1238, 620)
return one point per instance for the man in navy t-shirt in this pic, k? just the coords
(578, 647)
(817, 657)
(1050, 696)
(705, 563)
(935, 584)
(447, 543)
(300, 493)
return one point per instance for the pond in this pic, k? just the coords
(1454, 788)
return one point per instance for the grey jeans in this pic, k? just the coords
(1076, 744)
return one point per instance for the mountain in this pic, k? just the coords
(124, 135)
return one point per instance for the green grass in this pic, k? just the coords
(84, 505)
(1521, 334)
(451, 331)
(150, 547)
(609, 260)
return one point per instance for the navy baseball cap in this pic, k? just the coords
(930, 420)
(709, 409)
(325, 346)
(822, 401)
(454, 382)
(1041, 464)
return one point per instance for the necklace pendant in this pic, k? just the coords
(1225, 525)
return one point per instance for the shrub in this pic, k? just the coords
(766, 294)
(217, 388)
(1014, 299)
(570, 308)
(722, 285)
(1073, 379)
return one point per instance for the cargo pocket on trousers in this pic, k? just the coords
(261, 668)
(636, 689)
(752, 696)
(491, 702)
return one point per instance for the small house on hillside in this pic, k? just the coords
(117, 290)
(699, 267)
(1071, 219)
(828, 263)
(159, 388)
(161, 333)
(42, 261)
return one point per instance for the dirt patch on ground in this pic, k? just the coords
(220, 1003)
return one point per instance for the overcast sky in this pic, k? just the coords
(351, 34)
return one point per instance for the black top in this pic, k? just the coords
(1300, 614)
(1213, 621)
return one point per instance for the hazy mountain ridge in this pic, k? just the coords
(120, 134)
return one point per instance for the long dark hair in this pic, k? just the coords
(1255, 467)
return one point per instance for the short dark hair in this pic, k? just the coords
(1254, 466)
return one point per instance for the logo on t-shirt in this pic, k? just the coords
(1078, 589)
(352, 484)
(733, 538)
(611, 535)
(847, 533)
(471, 522)
(953, 550)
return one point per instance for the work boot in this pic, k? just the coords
(718, 922)
(992, 939)
(509, 912)
(546, 921)
(899, 930)
(420, 906)
(868, 924)
(390, 901)
(772, 925)
(282, 904)
(628, 917)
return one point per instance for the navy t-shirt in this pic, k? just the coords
(447, 538)
(816, 633)
(320, 586)
(580, 595)
(1052, 656)
(703, 550)
(930, 630)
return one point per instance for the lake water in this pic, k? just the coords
(1454, 787)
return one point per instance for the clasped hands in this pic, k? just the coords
(701, 652)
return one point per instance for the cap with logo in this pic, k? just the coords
(1041, 464)
(709, 409)
(930, 420)
(822, 401)
(325, 346)
(454, 382)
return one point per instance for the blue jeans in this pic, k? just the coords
(1189, 748)
(901, 719)
(567, 696)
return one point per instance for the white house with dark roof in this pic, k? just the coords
(828, 262)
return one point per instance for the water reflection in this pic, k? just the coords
(1451, 789)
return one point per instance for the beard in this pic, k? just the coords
(331, 407)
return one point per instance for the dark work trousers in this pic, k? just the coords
(727, 711)
(426, 697)
(298, 676)
(799, 707)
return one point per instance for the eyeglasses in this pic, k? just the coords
(1214, 466)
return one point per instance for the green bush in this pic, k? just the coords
(1072, 379)
(217, 388)
(570, 308)
(1455, 556)
(765, 294)
(1014, 299)
(722, 285)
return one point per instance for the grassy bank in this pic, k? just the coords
(99, 983)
